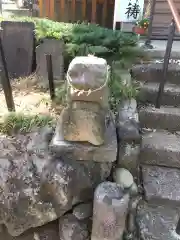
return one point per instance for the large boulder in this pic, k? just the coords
(157, 221)
(36, 188)
(47, 232)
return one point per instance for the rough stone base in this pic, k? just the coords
(85, 151)
(37, 188)
(47, 232)
(161, 183)
(156, 222)
(128, 157)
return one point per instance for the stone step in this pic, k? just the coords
(167, 118)
(152, 72)
(17, 12)
(161, 183)
(161, 149)
(157, 222)
(171, 95)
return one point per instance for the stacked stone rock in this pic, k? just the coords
(158, 214)
(127, 169)
(48, 179)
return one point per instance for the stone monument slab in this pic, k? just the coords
(55, 48)
(18, 44)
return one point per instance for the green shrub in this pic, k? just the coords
(120, 90)
(83, 39)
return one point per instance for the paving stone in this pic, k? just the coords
(160, 148)
(167, 118)
(152, 72)
(161, 183)
(128, 157)
(157, 222)
(170, 97)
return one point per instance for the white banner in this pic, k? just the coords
(128, 11)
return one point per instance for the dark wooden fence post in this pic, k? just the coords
(6, 82)
(167, 55)
(50, 75)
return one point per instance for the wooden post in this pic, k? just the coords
(52, 9)
(62, 9)
(104, 14)
(5, 82)
(73, 8)
(50, 75)
(94, 10)
(41, 8)
(84, 6)
(47, 8)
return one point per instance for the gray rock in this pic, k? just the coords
(161, 183)
(128, 121)
(128, 157)
(110, 210)
(70, 228)
(39, 141)
(164, 118)
(131, 218)
(47, 232)
(128, 110)
(83, 211)
(133, 203)
(160, 148)
(123, 177)
(130, 236)
(157, 222)
(131, 226)
(84, 151)
(37, 189)
(129, 131)
(149, 92)
(152, 72)
(133, 190)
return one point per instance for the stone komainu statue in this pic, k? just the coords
(83, 120)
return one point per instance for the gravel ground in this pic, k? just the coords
(28, 99)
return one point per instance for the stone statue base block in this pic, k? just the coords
(85, 151)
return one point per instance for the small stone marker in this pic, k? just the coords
(109, 212)
(55, 48)
(18, 44)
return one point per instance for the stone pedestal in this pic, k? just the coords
(109, 214)
(107, 152)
